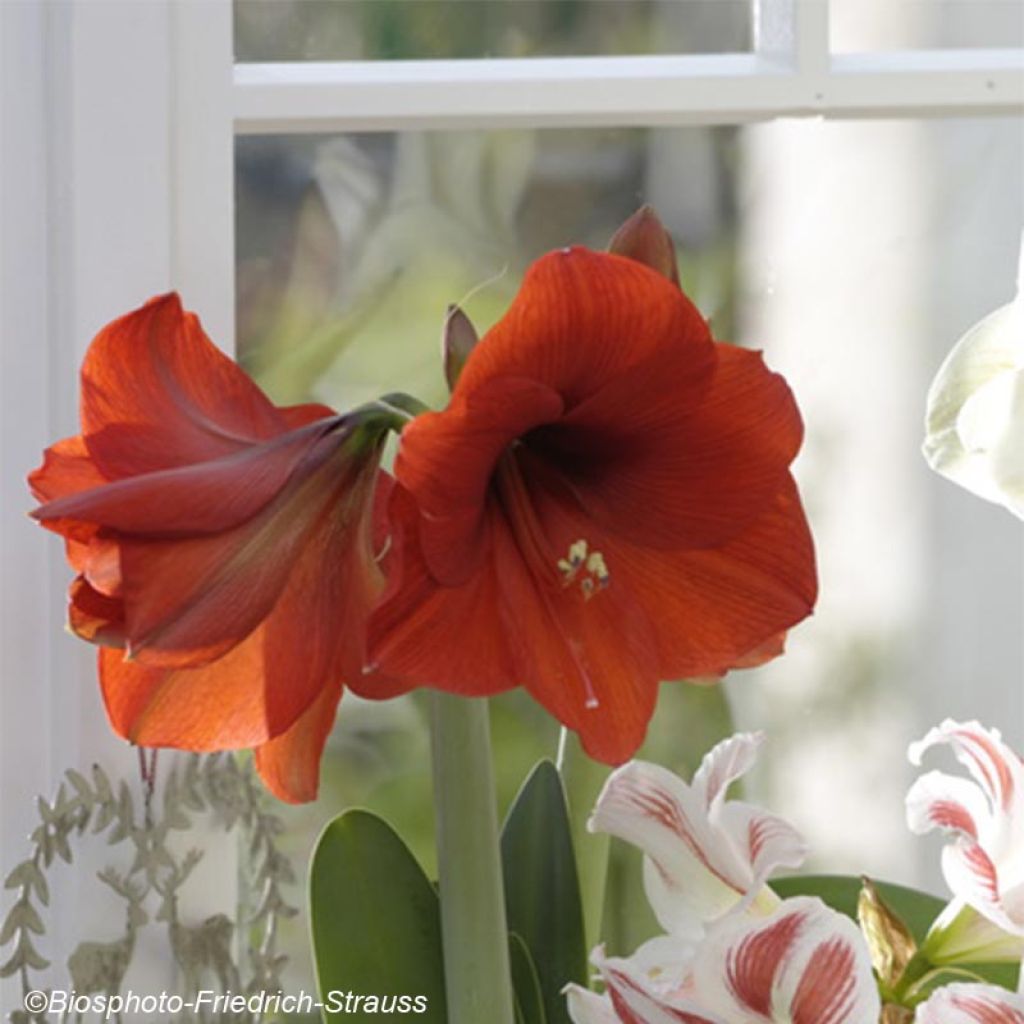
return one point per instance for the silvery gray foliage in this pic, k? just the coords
(91, 807)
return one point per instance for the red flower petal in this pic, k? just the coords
(94, 616)
(505, 627)
(712, 608)
(594, 664)
(290, 764)
(273, 681)
(582, 319)
(447, 459)
(671, 477)
(221, 706)
(182, 402)
(188, 601)
(422, 633)
(205, 498)
(67, 469)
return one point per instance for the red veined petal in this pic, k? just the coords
(446, 461)
(658, 474)
(289, 764)
(295, 416)
(263, 686)
(769, 650)
(503, 628)
(452, 638)
(220, 706)
(66, 469)
(581, 319)
(711, 607)
(94, 616)
(205, 498)
(189, 601)
(156, 393)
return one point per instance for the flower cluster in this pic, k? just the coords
(733, 952)
(605, 503)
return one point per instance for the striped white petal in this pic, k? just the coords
(971, 1004)
(805, 964)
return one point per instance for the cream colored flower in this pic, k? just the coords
(975, 419)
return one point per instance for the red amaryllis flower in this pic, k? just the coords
(222, 546)
(605, 503)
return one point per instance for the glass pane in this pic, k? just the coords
(277, 30)
(853, 254)
(865, 25)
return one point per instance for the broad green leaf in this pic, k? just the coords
(542, 887)
(376, 923)
(529, 1000)
(917, 910)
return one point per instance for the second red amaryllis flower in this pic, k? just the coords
(222, 546)
(605, 503)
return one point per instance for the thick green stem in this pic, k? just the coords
(478, 980)
(583, 779)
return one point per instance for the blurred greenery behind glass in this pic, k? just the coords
(272, 30)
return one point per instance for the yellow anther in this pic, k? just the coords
(597, 568)
(577, 553)
(595, 571)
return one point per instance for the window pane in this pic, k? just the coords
(273, 30)
(865, 25)
(853, 254)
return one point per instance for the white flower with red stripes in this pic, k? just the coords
(734, 953)
(971, 1004)
(705, 855)
(802, 964)
(984, 863)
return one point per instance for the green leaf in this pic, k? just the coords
(542, 892)
(525, 983)
(916, 909)
(376, 923)
(999, 974)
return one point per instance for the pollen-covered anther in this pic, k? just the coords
(585, 566)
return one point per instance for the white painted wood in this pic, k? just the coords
(719, 89)
(203, 171)
(117, 169)
(794, 34)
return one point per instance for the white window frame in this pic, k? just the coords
(123, 117)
